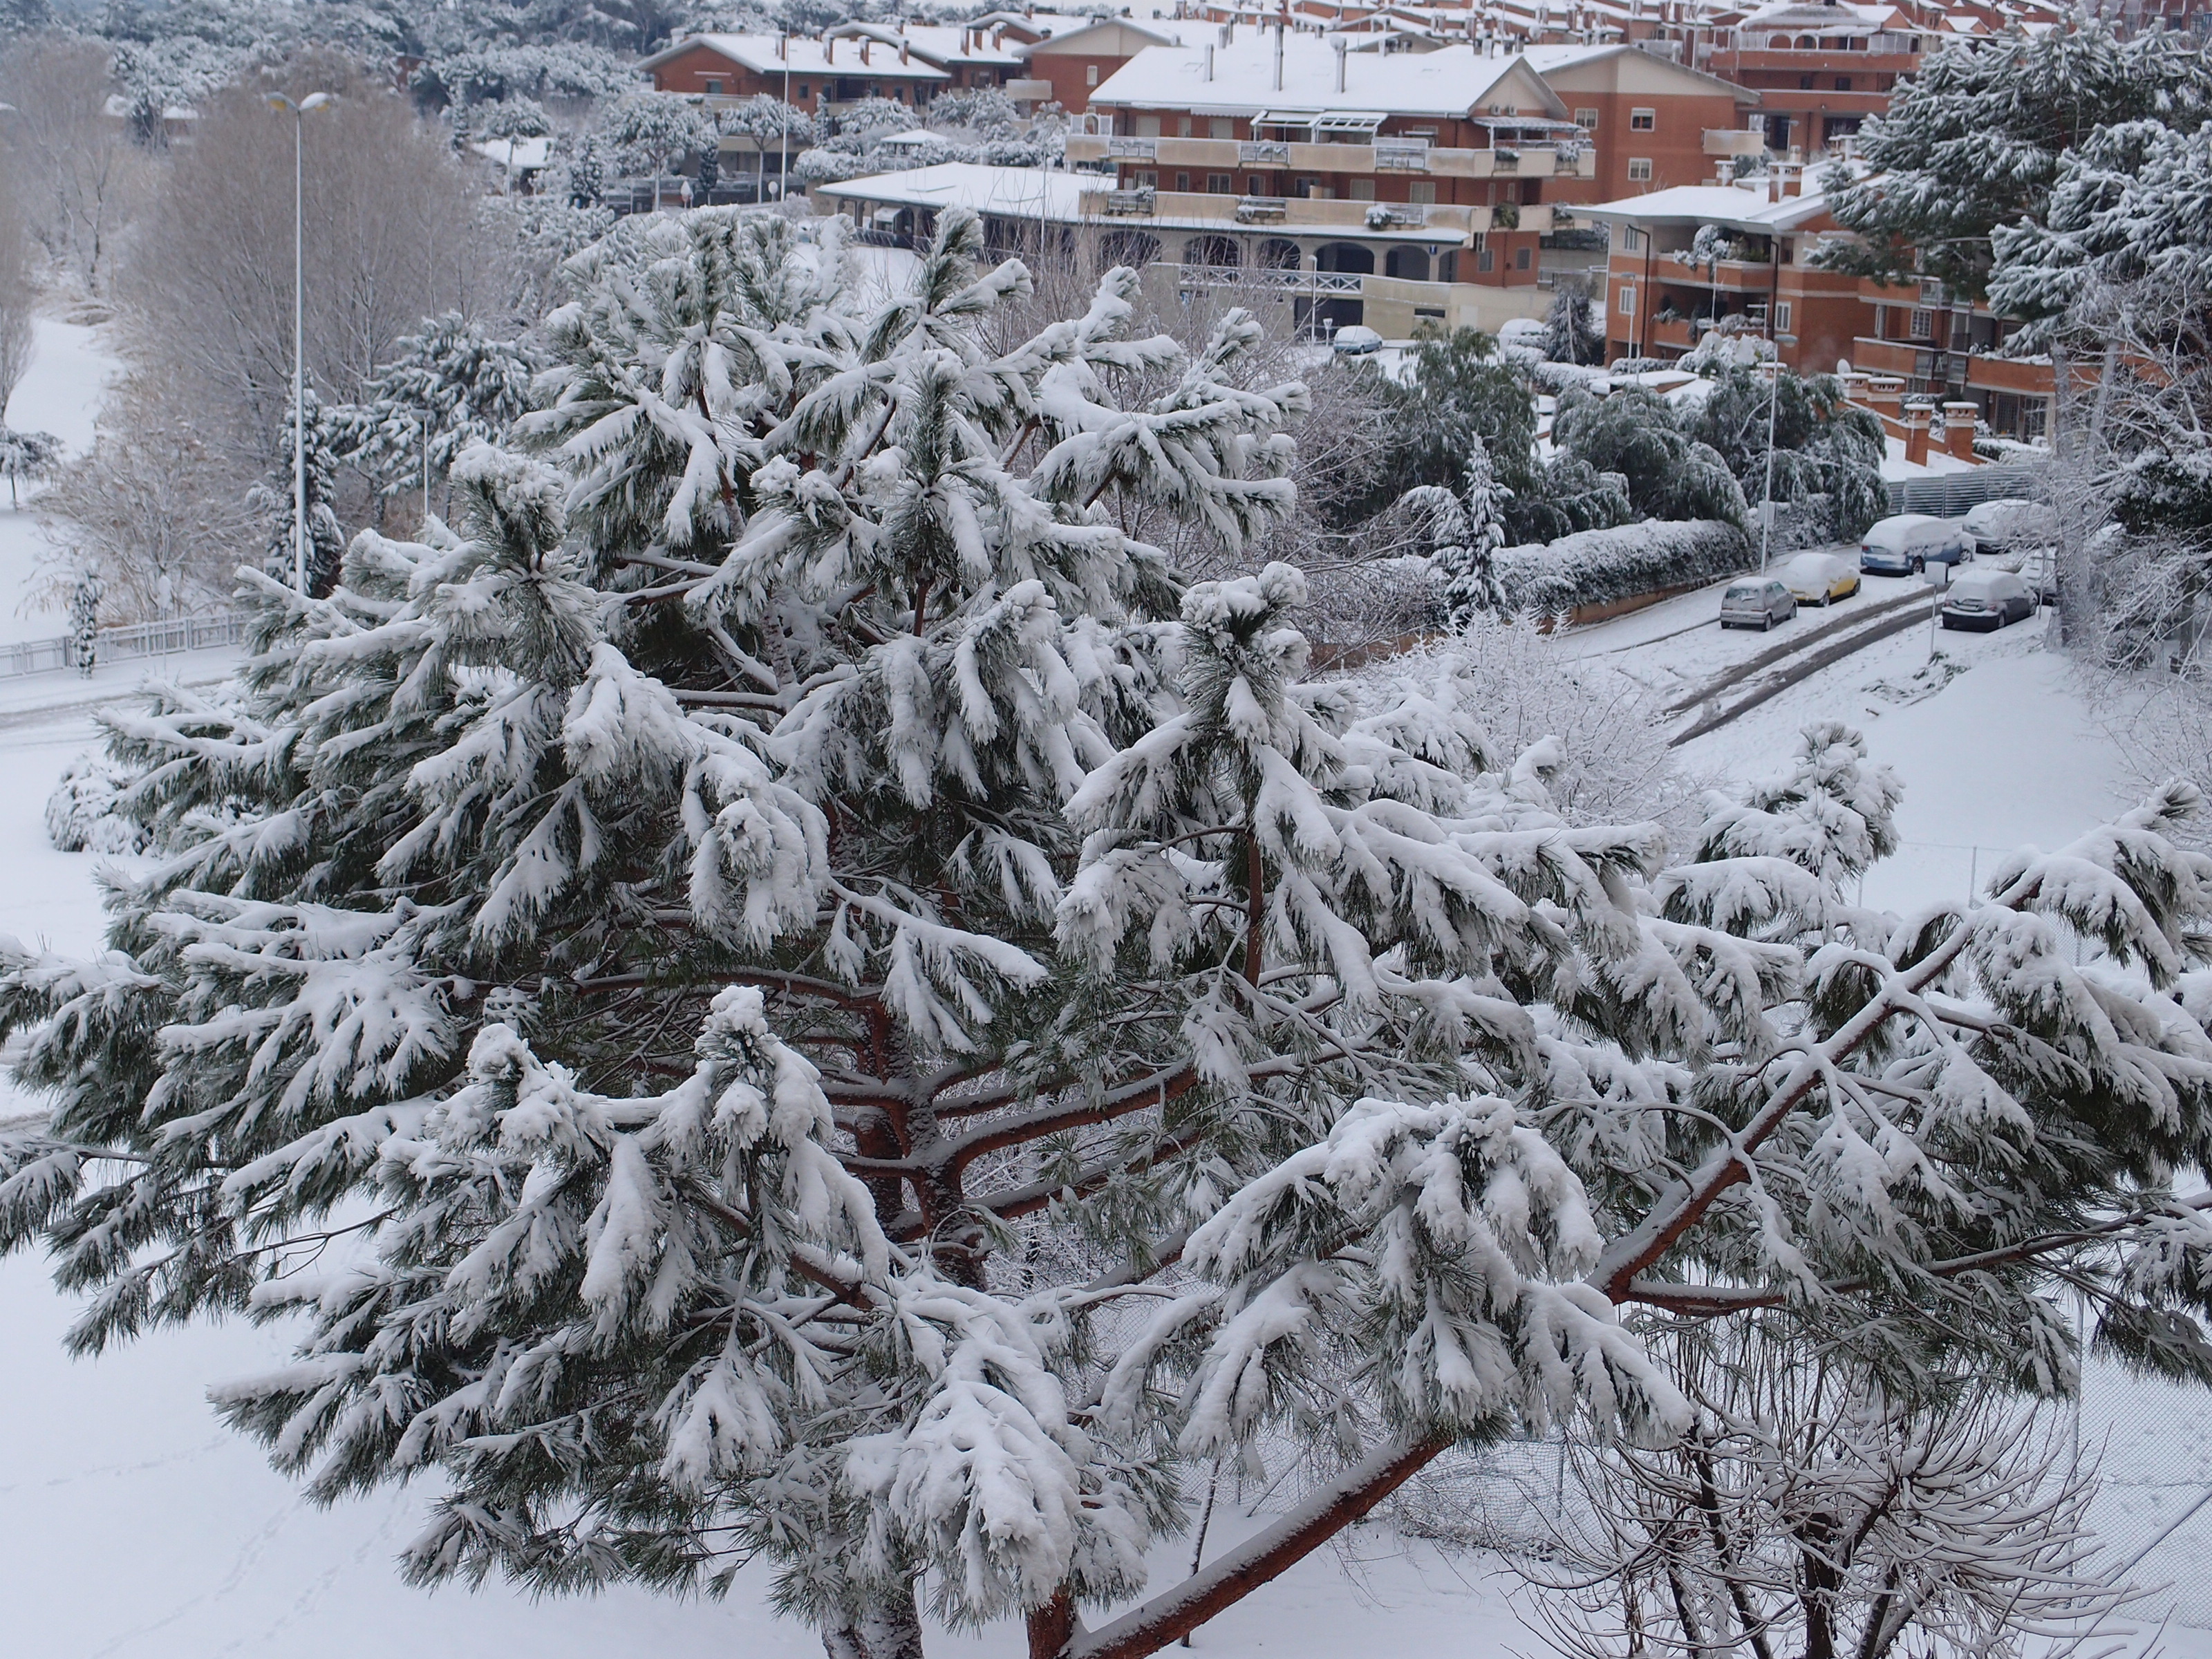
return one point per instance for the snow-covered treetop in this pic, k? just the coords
(782, 986)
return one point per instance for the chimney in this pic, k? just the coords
(865, 44)
(1958, 421)
(1209, 60)
(1916, 434)
(1278, 57)
(828, 48)
(783, 46)
(905, 55)
(1340, 65)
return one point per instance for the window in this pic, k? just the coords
(1782, 316)
(1639, 169)
(802, 92)
(1091, 75)
(1148, 126)
(1220, 184)
(1627, 306)
(1921, 325)
(1421, 190)
(1148, 181)
(1183, 127)
(1221, 127)
(1804, 83)
(1631, 240)
(1843, 83)
(1521, 260)
(1182, 181)
(1485, 259)
(1427, 314)
(1362, 190)
(1643, 120)
(1586, 119)
(714, 87)
(1256, 185)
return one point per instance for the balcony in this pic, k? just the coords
(1731, 276)
(1913, 360)
(1387, 154)
(1292, 212)
(1735, 140)
(1675, 332)
(2021, 379)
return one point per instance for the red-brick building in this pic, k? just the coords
(823, 74)
(1654, 124)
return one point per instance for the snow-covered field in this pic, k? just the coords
(132, 1523)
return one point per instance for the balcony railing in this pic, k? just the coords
(1125, 203)
(1136, 150)
(1261, 210)
(1387, 154)
(1269, 277)
(1263, 153)
(1401, 156)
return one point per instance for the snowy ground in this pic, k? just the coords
(60, 394)
(132, 1524)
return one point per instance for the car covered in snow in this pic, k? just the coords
(2010, 525)
(1986, 600)
(1756, 602)
(1905, 544)
(1820, 578)
(1356, 340)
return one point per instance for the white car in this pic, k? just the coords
(2010, 526)
(1907, 544)
(1357, 341)
(1986, 600)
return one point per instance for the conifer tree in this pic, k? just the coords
(783, 989)
(277, 501)
(1466, 529)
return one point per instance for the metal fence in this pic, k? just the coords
(1948, 494)
(164, 638)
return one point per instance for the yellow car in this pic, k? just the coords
(1820, 578)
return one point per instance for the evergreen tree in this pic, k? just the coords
(1572, 332)
(449, 385)
(1822, 448)
(276, 502)
(860, 1021)
(1466, 529)
(25, 457)
(1669, 473)
(1975, 139)
(84, 619)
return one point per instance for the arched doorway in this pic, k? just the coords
(1127, 248)
(1277, 254)
(1212, 251)
(1407, 264)
(1348, 257)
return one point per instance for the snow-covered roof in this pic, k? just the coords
(940, 43)
(524, 155)
(1450, 81)
(762, 54)
(913, 138)
(1551, 59)
(1729, 205)
(1007, 192)
(1823, 19)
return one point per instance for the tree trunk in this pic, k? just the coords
(1052, 1626)
(888, 1629)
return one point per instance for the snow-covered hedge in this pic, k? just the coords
(1548, 374)
(1597, 567)
(82, 814)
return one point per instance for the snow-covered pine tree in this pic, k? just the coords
(1573, 333)
(1466, 527)
(277, 501)
(848, 1018)
(84, 619)
(449, 385)
(25, 457)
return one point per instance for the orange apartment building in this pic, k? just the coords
(1653, 124)
(1904, 343)
(1293, 152)
(1068, 66)
(1820, 67)
(822, 75)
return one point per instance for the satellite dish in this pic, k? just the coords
(1843, 365)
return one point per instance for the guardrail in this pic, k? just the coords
(1949, 494)
(164, 638)
(1301, 282)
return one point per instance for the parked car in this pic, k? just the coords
(1986, 600)
(1756, 602)
(1905, 544)
(1356, 340)
(2009, 526)
(1820, 578)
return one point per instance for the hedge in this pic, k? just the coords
(1597, 567)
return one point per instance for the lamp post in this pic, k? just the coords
(313, 101)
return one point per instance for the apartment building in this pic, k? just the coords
(1294, 152)
(1652, 122)
(1067, 67)
(1897, 343)
(1820, 67)
(823, 74)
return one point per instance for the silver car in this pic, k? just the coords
(1756, 602)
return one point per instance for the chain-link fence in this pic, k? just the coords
(2151, 1442)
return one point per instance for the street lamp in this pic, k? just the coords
(313, 101)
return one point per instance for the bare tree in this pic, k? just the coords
(162, 517)
(80, 178)
(1811, 1513)
(392, 236)
(17, 294)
